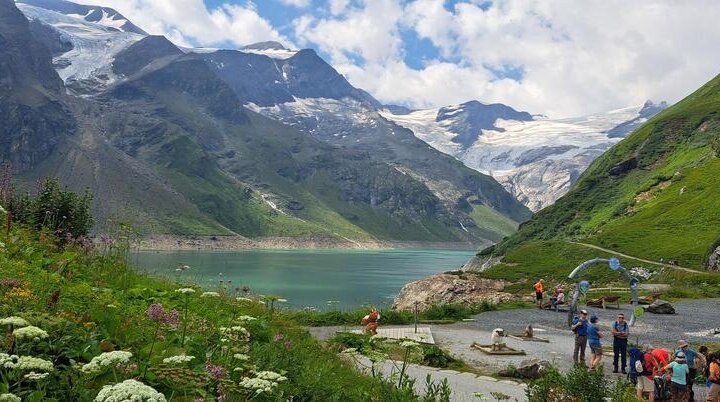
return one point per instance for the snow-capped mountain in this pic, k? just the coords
(195, 113)
(536, 159)
(104, 16)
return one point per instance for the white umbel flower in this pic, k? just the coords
(9, 398)
(246, 318)
(8, 361)
(33, 376)
(179, 359)
(257, 385)
(270, 376)
(129, 390)
(185, 290)
(30, 363)
(210, 294)
(98, 363)
(14, 321)
(30, 332)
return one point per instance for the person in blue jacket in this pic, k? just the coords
(594, 336)
(580, 327)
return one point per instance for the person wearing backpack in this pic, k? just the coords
(678, 384)
(690, 355)
(620, 332)
(580, 327)
(647, 370)
(713, 375)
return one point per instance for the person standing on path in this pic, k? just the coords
(714, 376)
(580, 327)
(647, 372)
(620, 332)
(594, 336)
(690, 355)
(680, 370)
(539, 289)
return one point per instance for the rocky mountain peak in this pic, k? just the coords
(266, 45)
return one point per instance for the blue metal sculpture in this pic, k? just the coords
(583, 286)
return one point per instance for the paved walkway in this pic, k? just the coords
(423, 334)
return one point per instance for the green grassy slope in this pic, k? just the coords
(655, 195)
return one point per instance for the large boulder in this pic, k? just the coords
(713, 262)
(529, 369)
(467, 289)
(660, 307)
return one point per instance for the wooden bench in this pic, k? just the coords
(605, 302)
(649, 299)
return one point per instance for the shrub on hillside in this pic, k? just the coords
(60, 211)
(578, 384)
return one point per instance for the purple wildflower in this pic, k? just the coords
(289, 345)
(278, 337)
(172, 318)
(10, 283)
(156, 312)
(217, 372)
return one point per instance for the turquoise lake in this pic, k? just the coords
(307, 278)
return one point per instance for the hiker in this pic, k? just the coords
(539, 289)
(594, 336)
(620, 332)
(371, 321)
(647, 369)
(713, 376)
(680, 370)
(580, 327)
(690, 355)
(557, 299)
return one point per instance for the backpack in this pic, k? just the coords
(637, 366)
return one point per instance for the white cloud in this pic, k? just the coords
(576, 59)
(189, 22)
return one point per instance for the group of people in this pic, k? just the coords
(557, 298)
(651, 363)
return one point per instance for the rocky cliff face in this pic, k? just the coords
(33, 115)
(446, 288)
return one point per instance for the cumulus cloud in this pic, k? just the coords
(191, 22)
(557, 57)
(574, 60)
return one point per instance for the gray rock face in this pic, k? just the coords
(533, 368)
(713, 263)
(446, 288)
(480, 264)
(660, 307)
(90, 13)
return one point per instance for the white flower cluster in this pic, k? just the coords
(30, 363)
(270, 376)
(185, 290)
(241, 357)
(98, 363)
(210, 294)
(14, 321)
(179, 359)
(30, 332)
(8, 361)
(246, 318)
(642, 273)
(9, 398)
(409, 344)
(244, 299)
(33, 376)
(257, 385)
(129, 390)
(235, 329)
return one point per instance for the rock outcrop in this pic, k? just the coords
(713, 262)
(447, 288)
(480, 264)
(660, 307)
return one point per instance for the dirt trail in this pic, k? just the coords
(636, 258)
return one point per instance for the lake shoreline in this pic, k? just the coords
(238, 243)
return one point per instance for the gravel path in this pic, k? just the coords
(693, 316)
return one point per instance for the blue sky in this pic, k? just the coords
(561, 58)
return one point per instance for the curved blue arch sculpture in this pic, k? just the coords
(613, 264)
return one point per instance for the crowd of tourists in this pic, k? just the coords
(657, 372)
